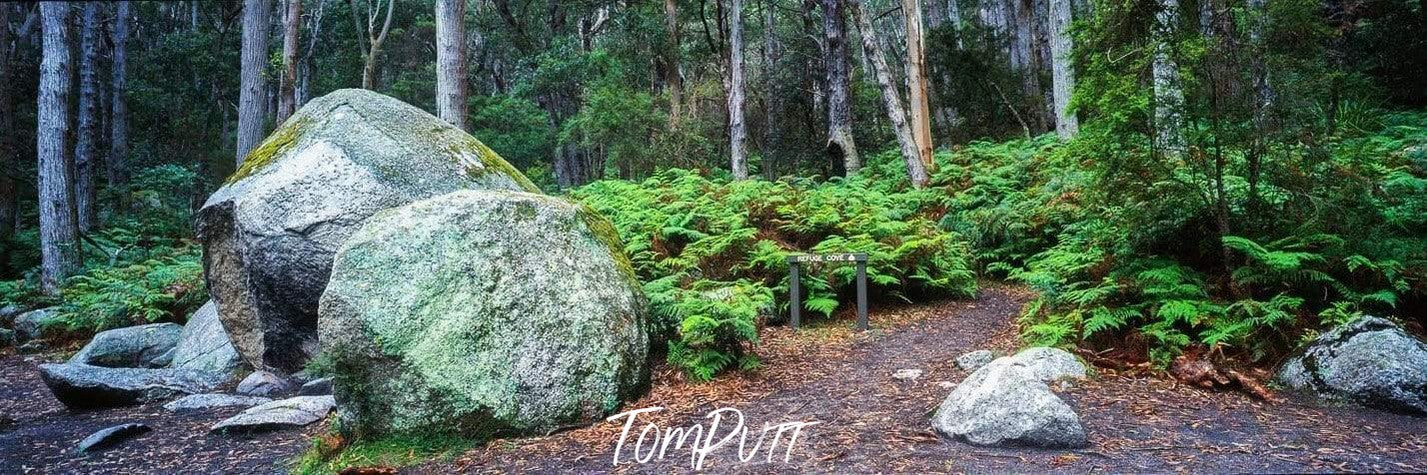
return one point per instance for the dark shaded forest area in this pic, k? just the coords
(1168, 175)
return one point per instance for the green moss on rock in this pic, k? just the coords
(280, 142)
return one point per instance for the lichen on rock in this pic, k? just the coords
(270, 232)
(483, 313)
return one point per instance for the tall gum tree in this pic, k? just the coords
(737, 129)
(252, 104)
(451, 61)
(291, 34)
(875, 52)
(86, 147)
(59, 252)
(116, 164)
(1062, 72)
(840, 145)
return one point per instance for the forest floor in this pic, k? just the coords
(867, 420)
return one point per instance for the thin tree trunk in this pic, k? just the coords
(59, 235)
(451, 61)
(9, 142)
(252, 103)
(314, 32)
(86, 148)
(773, 100)
(872, 47)
(291, 33)
(1263, 94)
(840, 146)
(117, 164)
(673, 51)
(1168, 91)
(1062, 72)
(737, 130)
(373, 44)
(918, 96)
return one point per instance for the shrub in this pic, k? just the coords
(714, 252)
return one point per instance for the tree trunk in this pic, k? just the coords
(451, 61)
(672, 77)
(772, 101)
(117, 164)
(1263, 94)
(918, 96)
(1062, 72)
(86, 146)
(252, 104)
(872, 47)
(840, 146)
(737, 130)
(372, 47)
(1168, 90)
(9, 143)
(59, 250)
(291, 33)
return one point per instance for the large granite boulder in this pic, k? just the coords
(482, 313)
(270, 232)
(83, 386)
(142, 346)
(204, 345)
(1008, 403)
(1369, 361)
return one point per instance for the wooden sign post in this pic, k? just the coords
(795, 290)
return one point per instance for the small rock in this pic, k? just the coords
(293, 412)
(84, 386)
(8, 314)
(211, 400)
(142, 346)
(31, 347)
(974, 360)
(316, 387)
(907, 374)
(946, 384)
(27, 325)
(1369, 361)
(264, 384)
(109, 437)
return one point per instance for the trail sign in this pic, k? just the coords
(795, 291)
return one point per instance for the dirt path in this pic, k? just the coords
(871, 422)
(868, 421)
(43, 435)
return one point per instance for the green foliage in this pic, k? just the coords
(333, 454)
(714, 252)
(1113, 266)
(167, 286)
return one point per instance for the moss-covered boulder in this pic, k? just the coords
(270, 232)
(483, 313)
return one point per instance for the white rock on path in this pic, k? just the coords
(285, 413)
(196, 402)
(1007, 403)
(907, 374)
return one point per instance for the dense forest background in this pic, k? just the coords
(1169, 175)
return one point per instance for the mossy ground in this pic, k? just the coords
(333, 454)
